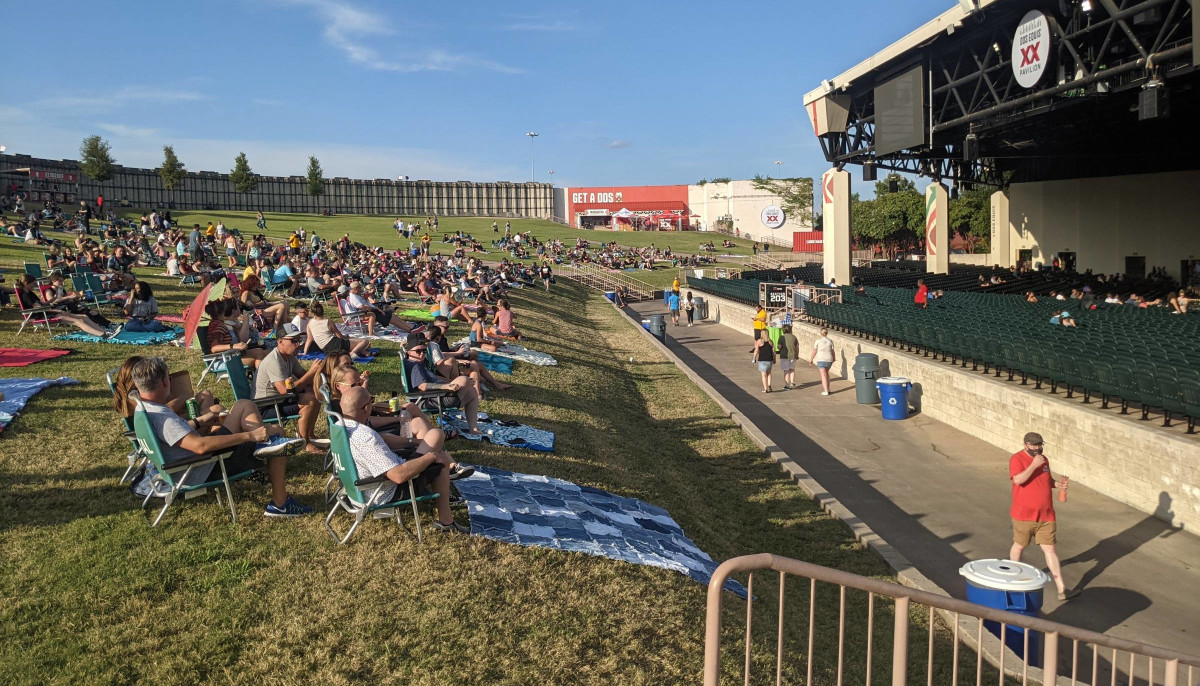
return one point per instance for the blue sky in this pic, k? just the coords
(621, 93)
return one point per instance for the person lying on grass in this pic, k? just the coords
(451, 362)
(373, 458)
(407, 428)
(242, 429)
(280, 373)
(422, 378)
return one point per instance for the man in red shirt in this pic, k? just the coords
(921, 299)
(1033, 507)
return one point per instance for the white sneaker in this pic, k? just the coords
(824, 392)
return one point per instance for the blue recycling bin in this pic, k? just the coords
(1014, 587)
(611, 295)
(893, 396)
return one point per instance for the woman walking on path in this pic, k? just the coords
(824, 357)
(764, 357)
(789, 351)
(689, 306)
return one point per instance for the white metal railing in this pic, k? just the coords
(593, 276)
(1120, 661)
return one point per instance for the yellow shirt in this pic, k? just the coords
(294, 242)
(248, 273)
(210, 231)
(675, 285)
(760, 320)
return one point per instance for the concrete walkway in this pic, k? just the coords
(941, 497)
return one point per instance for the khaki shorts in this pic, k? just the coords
(1041, 532)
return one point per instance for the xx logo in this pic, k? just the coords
(1029, 54)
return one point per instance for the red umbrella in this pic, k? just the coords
(195, 313)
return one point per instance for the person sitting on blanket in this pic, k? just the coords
(446, 306)
(477, 337)
(281, 373)
(452, 362)
(373, 458)
(324, 336)
(242, 429)
(222, 330)
(142, 308)
(91, 323)
(422, 378)
(503, 323)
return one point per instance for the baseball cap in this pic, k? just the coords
(290, 330)
(1033, 438)
(415, 340)
(342, 289)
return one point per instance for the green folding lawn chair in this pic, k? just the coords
(174, 474)
(360, 497)
(136, 458)
(429, 401)
(240, 383)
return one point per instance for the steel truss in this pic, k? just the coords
(1117, 47)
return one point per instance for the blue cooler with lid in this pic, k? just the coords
(1014, 587)
(893, 396)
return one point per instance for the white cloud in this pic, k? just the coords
(347, 28)
(127, 131)
(127, 96)
(268, 102)
(618, 144)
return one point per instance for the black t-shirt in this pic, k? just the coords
(766, 352)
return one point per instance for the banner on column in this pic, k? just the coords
(1001, 234)
(835, 226)
(937, 233)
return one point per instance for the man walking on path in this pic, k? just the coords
(1033, 507)
(673, 306)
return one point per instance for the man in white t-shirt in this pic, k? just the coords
(373, 458)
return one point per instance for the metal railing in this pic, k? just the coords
(1128, 663)
(602, 279)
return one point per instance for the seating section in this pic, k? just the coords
(1137, 355)
(739, 290)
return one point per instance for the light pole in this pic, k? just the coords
(532, 167)
(778, 164)
(551, 173)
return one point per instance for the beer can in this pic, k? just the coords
(193, 408)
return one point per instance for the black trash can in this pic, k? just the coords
(658, 327)
(866, 370)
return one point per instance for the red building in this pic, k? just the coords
(628, 208)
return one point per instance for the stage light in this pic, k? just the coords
(1154, 101)
(1086, 5)
(869, 172)
(971, 148)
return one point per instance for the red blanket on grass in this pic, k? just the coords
(23, 357)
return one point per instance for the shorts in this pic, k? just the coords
(824, 365)
(335, 345)
(765, 366)
(242, 459)
(675, 312)
(423, 484)
(290, 410)
(230, 252)
(787, 365)
(758, 333)
(1041, 532)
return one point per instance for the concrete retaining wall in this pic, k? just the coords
(1128, 460)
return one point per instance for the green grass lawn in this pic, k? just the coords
(377, 230)
(89, 594)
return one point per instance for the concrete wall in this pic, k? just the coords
(1103, 220)
(745, 202)
(1127, 460)
(210, 190)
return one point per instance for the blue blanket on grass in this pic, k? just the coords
(533, 510)
(499, 432)
(17, 392)
(495, 363)
(358, 360)
(125, 337)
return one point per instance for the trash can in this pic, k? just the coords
(866, 370)
(611, 295)
(893, 396)
(658, 327)
(1011, 586)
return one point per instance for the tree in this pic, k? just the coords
(884, 186)
(316, 177)
(172, 170)
(243, 180)
(95, 159)
(795, 195)
(971, 217)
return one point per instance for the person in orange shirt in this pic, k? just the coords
(1032, 508)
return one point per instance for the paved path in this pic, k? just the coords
(941, 496)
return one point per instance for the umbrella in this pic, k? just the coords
(195, 312)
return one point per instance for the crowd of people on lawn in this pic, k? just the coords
(274, 307)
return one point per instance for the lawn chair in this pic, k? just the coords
(350, 316)
(240, 383)
(214, 363)
(35, 270)
(173, 474)
(137, 459)
(359, 497)
(434, 402)
(38, 316)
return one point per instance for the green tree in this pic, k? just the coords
(316, 177)
(971, 217)
(243, 179)
(795, 195)
(172, 170)
(883, 187)
(95, 159)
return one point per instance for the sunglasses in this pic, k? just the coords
(351, 385)
(417, 350)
